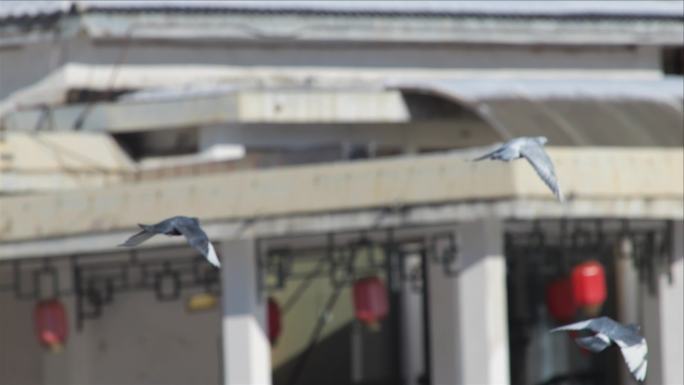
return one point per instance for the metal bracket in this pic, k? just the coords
(445, 250)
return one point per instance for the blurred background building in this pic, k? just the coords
(325, 148)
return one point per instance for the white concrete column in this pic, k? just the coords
(664, 319)
(412, 334)
(627, 294)
(468, 314)
(246, 349)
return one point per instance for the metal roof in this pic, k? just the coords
(572, 112)
(603, 9)
(586, 112)
(516, 22)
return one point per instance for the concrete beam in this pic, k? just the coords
(239, 106)
(431, 134)
(623, 183)
(99, 242)
(53, 90)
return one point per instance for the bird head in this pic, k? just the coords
(541, 139)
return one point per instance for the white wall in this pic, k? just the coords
(138, 340)
(663, 321)
(20, 353)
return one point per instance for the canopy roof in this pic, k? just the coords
(572, 112)
(617, 9)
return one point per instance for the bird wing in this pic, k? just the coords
(540, 161)
(607, 329)
(198, 239)
(581, 325)
(635, 358)
(138, 238)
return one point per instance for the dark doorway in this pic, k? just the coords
(322, 342)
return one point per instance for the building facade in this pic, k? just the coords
(322, 144)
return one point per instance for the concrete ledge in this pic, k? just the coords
(626, 182)
(92, 242)
(175, 110)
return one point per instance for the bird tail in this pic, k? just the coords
(149, 228)
(140, 237)
(212, 257)
(486, 156)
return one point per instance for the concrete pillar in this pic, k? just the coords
(627, 294)
(412, 327)
(246, 349)
(468, 313)
(663, 319)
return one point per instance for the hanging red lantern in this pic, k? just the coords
(370, 300)
(51, 324)
(274, 321)
(589, 286)
(560, 301)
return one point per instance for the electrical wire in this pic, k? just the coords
(123, 57)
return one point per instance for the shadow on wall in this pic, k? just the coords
(332, 362)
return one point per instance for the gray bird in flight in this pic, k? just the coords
(187, 226)
(632, 345)
(532, 149)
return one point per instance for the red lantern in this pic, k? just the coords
(560, 301)
(274, 321)
(370, 300)
(51, 324)
(589, 286)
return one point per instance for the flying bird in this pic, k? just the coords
(532, 149)
(179, 225)
(632, 345)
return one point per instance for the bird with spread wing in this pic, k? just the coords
(532, 149)
(179, 225)
(632, 345)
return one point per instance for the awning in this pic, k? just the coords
(572, 112)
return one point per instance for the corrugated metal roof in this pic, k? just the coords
(573, 112)
(668, 90)
(17, 9)
(603, 9)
